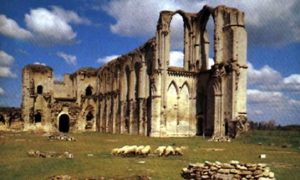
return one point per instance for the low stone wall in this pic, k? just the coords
(226, 171)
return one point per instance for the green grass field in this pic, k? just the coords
(15, 164)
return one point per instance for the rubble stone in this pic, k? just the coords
(234, 172)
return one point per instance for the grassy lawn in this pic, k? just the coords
(15, 164)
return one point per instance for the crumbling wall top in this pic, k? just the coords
(38, 68)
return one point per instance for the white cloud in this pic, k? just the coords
(5, 59)
(262, 76)
(211, 62)
(269, 79)
(266, 105)
(69, 16)
(6, 72)
(39, 63)
(292, 79)
(44, 26)
(2, 92)
(10, 28)
(49, 27)
(106, 59)
(258, 96)
(135, 17)
(176, 58)
(70, 59)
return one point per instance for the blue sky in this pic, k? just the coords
(67, 35)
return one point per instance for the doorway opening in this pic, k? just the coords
(64, 123)
(38, 118)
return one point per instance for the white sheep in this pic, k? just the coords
(146, 150)
(160, 150)
(130, 150)
(139, 150)
(169, 151)
(178, 151)
(122, 149)
(115, 151)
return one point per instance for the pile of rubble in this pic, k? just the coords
(220, 139)
(61, 137)
(50, 154)
(231, 170)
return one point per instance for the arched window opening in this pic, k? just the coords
(210, 32)
(39, 89)
(89, 91)
(137, 67)
(38, 118)
(127, 71)
(177, 41)
(2, 119)
(89, 116)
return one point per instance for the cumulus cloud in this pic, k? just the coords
(267, 78)
(176, 58)
(44, 26)
(69, 16)
(272, 96)
(266, 105)
(70, 59)
(2, 92)
(260, 17)
(106, 59)
(10, 28)
(6, 72)
(49, 27)
(39, 63)
(5, 59)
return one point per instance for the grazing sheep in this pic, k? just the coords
(122, 150)
(146, 150)
(130, 150)
(160, 150)
(139, 150)
(178, 151)
(115, 151)
(169, 151)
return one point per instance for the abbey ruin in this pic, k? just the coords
(139, 93)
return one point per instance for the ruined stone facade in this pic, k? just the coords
(139, 93)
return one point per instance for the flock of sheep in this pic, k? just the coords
(135, 150)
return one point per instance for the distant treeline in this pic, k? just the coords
(271, 125)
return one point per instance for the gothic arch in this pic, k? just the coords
(173, 83)
(186, 84)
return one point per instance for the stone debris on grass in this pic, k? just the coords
(68, 177)
(61, 137)
(49, 154)
(262, 156)
(227, 171)
(61, 177)
(220, 139)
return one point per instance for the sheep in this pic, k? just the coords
(160, 150)
(139, 150)
(178, 151)
(122, 150)
(146, 150)
(130, 150)
(115, 151)
(169, 151)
